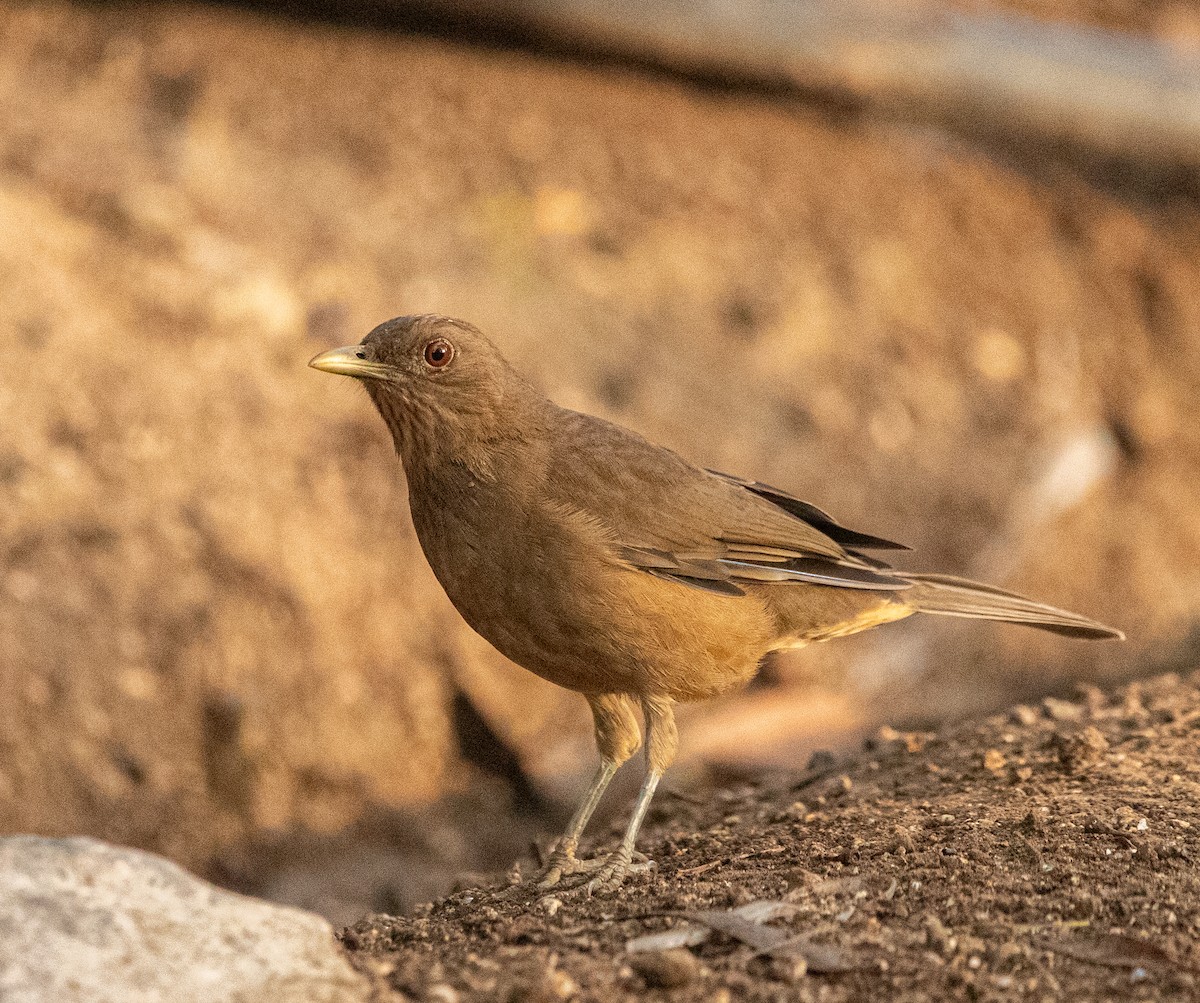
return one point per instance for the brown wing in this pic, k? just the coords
(708, 530)
(725, 571)
(813, 515)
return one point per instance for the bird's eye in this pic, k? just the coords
(438, 353)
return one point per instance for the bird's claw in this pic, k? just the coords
(619, 865)
(563, 863)
(607, 872)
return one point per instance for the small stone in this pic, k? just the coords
(1062, 710)
(1131, 705)
(1024, 772)
(788, 970)
(1129, 819)
(1082, 750)
(665, 969)
(382, 967)
(821, 761)
(902, 841)
(1007, 953)
(441, 992)
(561, 984)
(1030, 825)
(1094, 697)
(1026, 715)
(939, 937)
(973, 946)
(994, 760)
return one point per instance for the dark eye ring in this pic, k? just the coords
(438, 353)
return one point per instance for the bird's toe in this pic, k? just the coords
(615, 869)
(563, 863)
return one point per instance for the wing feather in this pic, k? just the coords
(664, 516)
(815, 517)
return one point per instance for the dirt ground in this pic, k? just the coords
(218, 637)
(1044, 853)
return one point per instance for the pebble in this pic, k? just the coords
(1062, 710)
(1026, 715)
(666, 969)
(939, 937)
(788, 970)
(1008, 951)
(1082, 750)
(561, 984)
(1128, 818)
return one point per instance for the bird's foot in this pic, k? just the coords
(607, 873)
(616, 868)
(563, 863)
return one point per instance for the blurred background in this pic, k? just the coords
(933, 267)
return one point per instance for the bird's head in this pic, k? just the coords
(443, 388)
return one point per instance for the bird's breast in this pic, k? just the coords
(541, 583)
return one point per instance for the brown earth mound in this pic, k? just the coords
(1045, 853)
(216, 622)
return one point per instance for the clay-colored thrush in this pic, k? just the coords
(614, 567)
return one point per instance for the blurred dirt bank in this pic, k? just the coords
(216, 622)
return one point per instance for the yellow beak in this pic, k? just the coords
(349, 361)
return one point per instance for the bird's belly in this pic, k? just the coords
(578, 619)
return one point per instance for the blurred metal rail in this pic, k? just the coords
(1121, 96)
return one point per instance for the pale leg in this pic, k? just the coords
(617, 738)
(662, 740)
(563, 860)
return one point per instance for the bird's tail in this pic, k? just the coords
(950, 596)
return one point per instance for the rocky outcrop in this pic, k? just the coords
(82, 921)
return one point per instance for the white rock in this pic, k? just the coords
(84, 922)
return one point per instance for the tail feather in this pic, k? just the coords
(950, 596)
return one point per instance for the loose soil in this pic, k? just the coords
(1044, 853)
